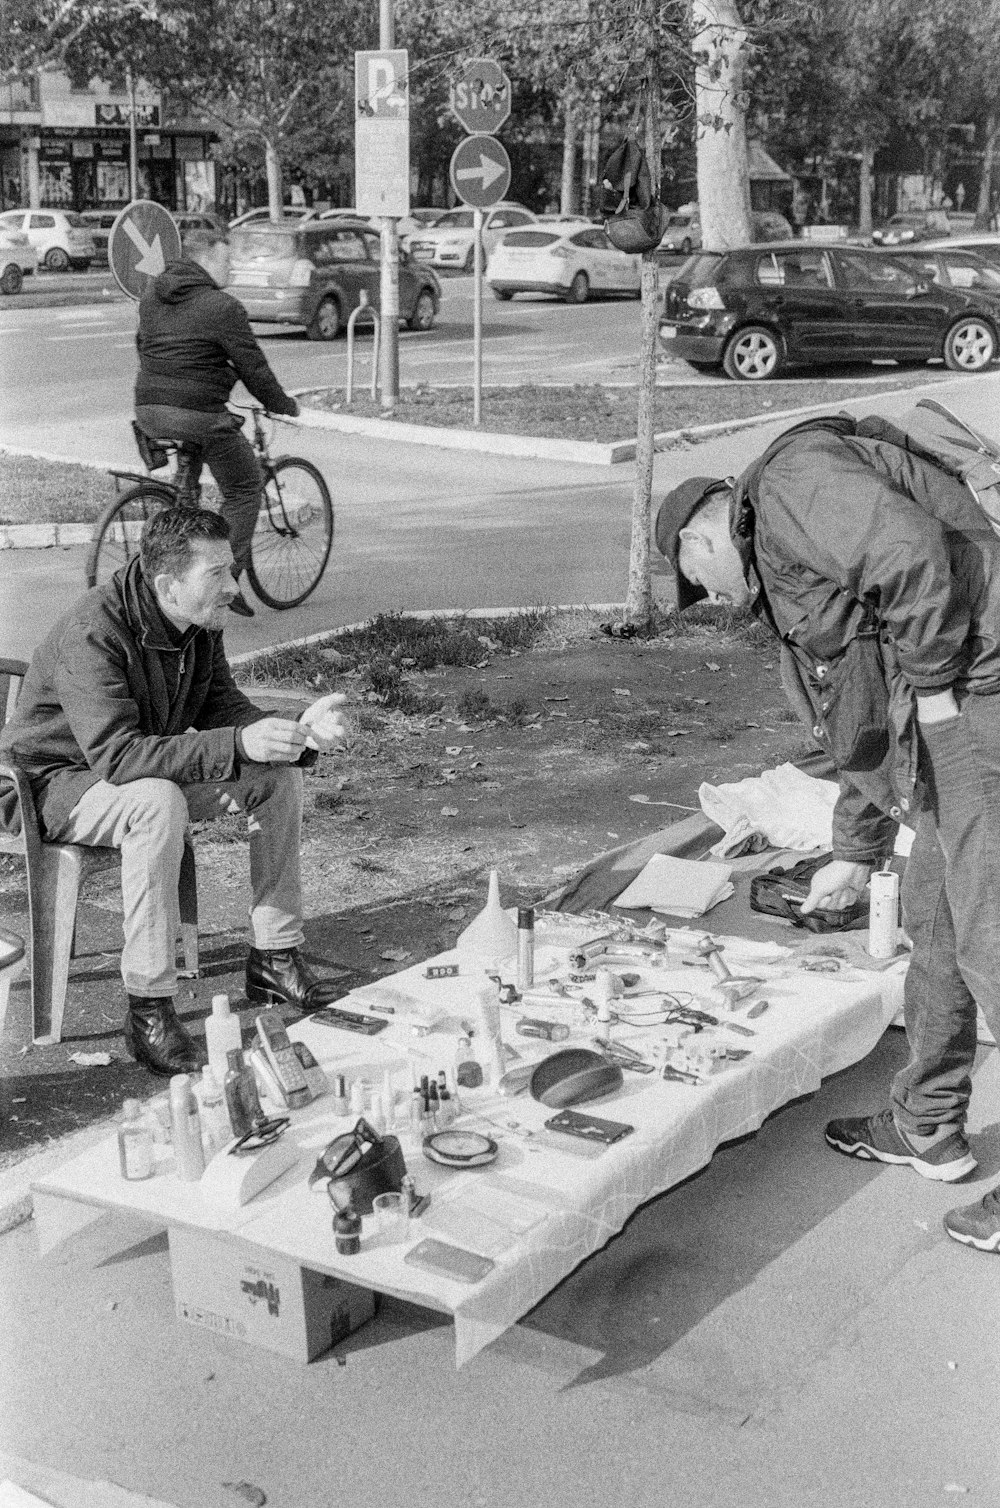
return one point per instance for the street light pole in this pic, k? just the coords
(389, 273)
(133, 149)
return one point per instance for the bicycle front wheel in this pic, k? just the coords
(119, 529)
(294, 535)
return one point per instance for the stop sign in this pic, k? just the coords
(480, 97)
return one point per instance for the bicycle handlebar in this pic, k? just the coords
(256, 408)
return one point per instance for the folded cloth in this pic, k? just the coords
(680, 887)
(787, 807)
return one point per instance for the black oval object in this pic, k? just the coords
(574, 1076)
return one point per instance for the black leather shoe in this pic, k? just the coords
(241, 606)
(285, 978)
(157, 1040)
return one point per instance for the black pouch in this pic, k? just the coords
(359, 1165)
(152, 452)
(769, 895)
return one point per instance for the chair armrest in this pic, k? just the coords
(30, 833)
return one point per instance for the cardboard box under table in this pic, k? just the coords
(540, 1208)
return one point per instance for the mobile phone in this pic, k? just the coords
(450, 1261)
(280, 1054)
(591, 1127)
(315, 1077)
(349, 1021)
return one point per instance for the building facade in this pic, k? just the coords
(63, 147)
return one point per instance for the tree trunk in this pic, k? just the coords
(591, 153)
(273, 166)
(723, 175)
(639, 602)
(567, 192)
(865, 182)
(982, 221)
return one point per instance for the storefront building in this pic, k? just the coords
(63, 147)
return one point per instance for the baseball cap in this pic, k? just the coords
(674, 512)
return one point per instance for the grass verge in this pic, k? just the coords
(50, 492)
(606, 414)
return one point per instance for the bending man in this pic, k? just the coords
(880, 575)
(129, 726)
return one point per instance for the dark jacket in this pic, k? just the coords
(881, 575)
(195, 341)
(113, 694)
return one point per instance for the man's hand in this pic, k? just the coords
(326, 724)
(273, 740)
(835, 886)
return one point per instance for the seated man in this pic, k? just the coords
(129, 725)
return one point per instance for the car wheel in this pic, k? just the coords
(578, 291)
(326, 321)
(11, 279)
(969, 346)
(753, 355)
(686, 246)
(56, 259)
(422, 317)
(503, 294)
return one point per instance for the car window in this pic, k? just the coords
(43, 222)
(338, 246)
(876, 273)
(966, 273)
(926, 269)
(518, 217)
(534, 238)
(373, 246)
(456, 219)
(793, 269)
(12, 220)
(255, 245)
(703, 270)
(588, 239)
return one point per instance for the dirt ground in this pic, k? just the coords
(532, 765)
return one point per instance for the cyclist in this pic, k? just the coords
(194, 343)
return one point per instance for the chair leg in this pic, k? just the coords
(187, 894)
(55, 921)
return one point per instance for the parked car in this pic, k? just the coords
(913, 225)
(683, 232)
(758, 309)
(201, 220)
(18, 259)
(313, 274)
(61, 238)
(984, 243)
(450, 241)
(952, 268)
(99, 223)
(574, 261)
(262, 213)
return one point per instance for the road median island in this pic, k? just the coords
(518, 742)
(589, 424)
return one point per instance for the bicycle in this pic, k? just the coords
(294, 534)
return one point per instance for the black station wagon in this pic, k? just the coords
(760, 308)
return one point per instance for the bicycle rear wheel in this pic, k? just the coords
(119, 529)
(291, 544)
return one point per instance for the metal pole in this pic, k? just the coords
(477, 320)
(133, 149)
(389, 270)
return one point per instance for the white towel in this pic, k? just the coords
(680, 887)
(788, 807)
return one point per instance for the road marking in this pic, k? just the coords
(87, 335)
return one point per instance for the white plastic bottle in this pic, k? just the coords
(135, 1143)
(222, 1034)
(215, 1128)
(185, 1123)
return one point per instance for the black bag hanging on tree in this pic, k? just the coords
(634, 217)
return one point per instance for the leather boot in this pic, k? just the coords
(157, 1040)
(284, 978)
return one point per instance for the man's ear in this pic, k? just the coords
(162, 584)
(697, 538)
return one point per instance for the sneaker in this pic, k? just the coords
(878, 1139)
(977, 1224)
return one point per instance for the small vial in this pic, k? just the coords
(525, 947)
(341, 1104)
(347, 1232)
(357, 1099)
(135, 1144)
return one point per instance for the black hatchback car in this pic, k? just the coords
(758, 309)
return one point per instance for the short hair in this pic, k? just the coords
(166, 544)
(201, 239)
(714, 504)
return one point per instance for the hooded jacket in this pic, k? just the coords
(881, 575)
(195, 342)
(112, 693)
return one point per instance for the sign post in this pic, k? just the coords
(480, 175)
(141, 242)
(382, 175)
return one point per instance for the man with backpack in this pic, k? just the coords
(880, 573)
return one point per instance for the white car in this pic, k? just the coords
(17, 258)
(450, 242)
(261, 213)
(61, 238)
(574, 261)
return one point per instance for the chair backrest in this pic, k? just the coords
(12, 673)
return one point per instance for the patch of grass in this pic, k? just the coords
(51, 492)
(474, 706)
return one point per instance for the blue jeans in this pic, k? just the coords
(951, 910)
(229, 456)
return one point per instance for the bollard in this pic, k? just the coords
(364, 307)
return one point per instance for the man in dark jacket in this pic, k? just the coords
(881, 576)
(194, 342)
(129, 726)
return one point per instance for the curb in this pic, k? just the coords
(420, 615)
(43, 536)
